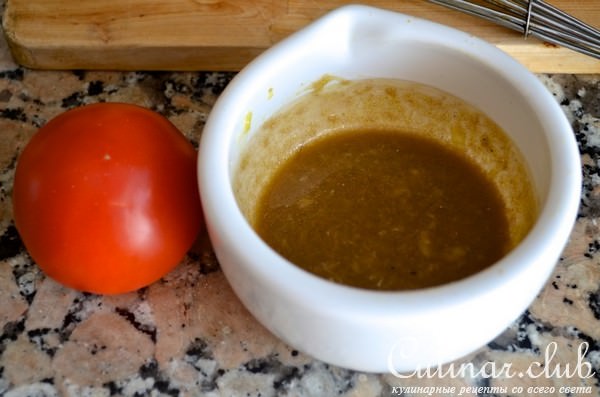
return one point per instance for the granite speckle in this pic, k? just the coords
(594, 303)
(188, 335)
(10, 243)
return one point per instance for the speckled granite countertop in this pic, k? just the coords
(188, 335)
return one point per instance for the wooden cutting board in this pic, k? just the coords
(226, 35)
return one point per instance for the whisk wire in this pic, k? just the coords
(534, 18)
(528, 21)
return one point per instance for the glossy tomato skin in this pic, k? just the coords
(106, 199)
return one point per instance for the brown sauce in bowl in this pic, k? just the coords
(384, 184)
(383, 210)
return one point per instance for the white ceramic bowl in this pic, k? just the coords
(381, 331)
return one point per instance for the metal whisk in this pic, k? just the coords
(534, 18)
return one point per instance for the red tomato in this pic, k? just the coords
(106, 199)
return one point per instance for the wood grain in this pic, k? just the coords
(225, 35)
